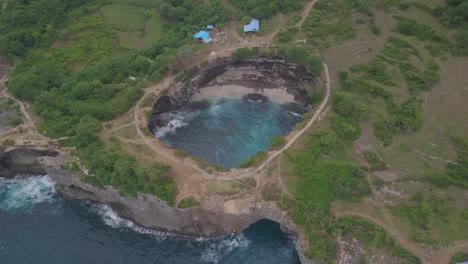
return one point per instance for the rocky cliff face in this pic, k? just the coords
(230, 216)
(257, 72)
(22, 161)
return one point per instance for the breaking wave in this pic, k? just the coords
(176, 121)
(23, 193)
(221, 248)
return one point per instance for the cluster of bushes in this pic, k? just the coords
(399, 50)
(189, 14)
(287, 34)
(187, 203)
(423, 211)
(246, 52)
(346, 122)
(453, 14)
(302, 56)
(375, 70)
(315, 29)
(455, 174)
(320, 183)
(438, 42)
(407, 119)
(420, 80)
(249, 162)
(262, 9)
(126, 174)
(31, 24)
(362, 86)
(374, 159)
(277, 142)
(371, 235)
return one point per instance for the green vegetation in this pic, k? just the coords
(277, 142)
(250, 162)
(8, 143)
(346, 123)
(302, 56)
(320, 182)
(287, 34)
(262, 9)
(181, 153)
(76, 84)
(220, 168)
(230, 187)
(126, 174)
(246, 52)
(14, 122)
(125, 17)
(335, 21)
(371, 236)
(456, 174)
(459, 257)
(374, 159)
(72, 166)
(426, 212)
(188, 202)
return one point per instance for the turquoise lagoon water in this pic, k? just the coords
(38, 226)
(227, 131)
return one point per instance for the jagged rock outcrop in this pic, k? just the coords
(263, 72)
(22, 161)
(230, 216)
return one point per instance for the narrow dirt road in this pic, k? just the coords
(441, 257)
(29, 120)
(147, 140)
(401, 240)
(306, 12)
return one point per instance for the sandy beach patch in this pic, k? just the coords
(234, 91)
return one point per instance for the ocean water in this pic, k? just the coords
(38, 225)
(229, 130)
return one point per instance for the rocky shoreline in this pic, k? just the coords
(263, 72)
(262, 75)
(150, 212)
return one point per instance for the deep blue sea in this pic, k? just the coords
(229, 130)
(38, 225)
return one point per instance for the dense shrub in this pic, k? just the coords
(368, 233)
(262, 9)
(287, 34)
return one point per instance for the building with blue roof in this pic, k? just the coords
(254, 26)
(204, 36)
(210, 27)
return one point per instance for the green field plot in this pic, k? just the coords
(138, 26)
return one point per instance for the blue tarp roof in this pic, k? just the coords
(202, 35)
(210, 27)
(254, 26)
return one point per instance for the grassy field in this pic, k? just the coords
(138, 26)
(436, 219)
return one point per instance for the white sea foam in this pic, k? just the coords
(111, 219)
(177, 120)
(218, 249)
(22, 193)
(296, 114)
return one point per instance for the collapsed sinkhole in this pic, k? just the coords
(232, 110)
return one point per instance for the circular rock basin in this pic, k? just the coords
(232, 110)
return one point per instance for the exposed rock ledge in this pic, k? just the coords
(263, 72)
(230, 216)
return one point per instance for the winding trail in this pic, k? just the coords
(29, 119)
(309, 7)
(441, 257)
(136, 121)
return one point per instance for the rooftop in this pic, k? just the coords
(254, 26)
(202, 35)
